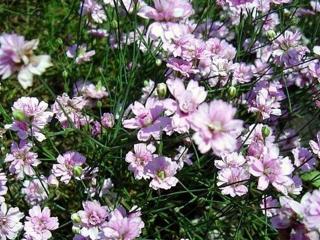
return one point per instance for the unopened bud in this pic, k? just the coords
(316, 50)
(75, 218)
(59, 41)
(271, 34)
(114, 23)
(161, 90)
(99, 104)
(76, 230)
(77, 171)
(232, 92)
(158, 62)
(65, 74)
(265, 131)
(19, 115)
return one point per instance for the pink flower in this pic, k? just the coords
(239, 2)
(231, 181)
(272, 169)
(39, 223)
(92, 217)
(269, 206)
(149, 120)
(94, 10)
(242, 73)
(107, 120)
(315, 146)
(310, 210)
(167, 10)
(230, 160)
(162, 170)
(10, 222)
(16, 55)
(35, 190)
(182, 66)
(22, 160)
(122, 225)
(188, 100)
(215, 127)
(79, 52)
(139, 158)
(303, 159)
(3, 187)
(183, 157)
(90, 91)
(68, 111)
(34, 117)
(66, 163)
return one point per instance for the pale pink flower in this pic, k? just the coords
(89, 90)
(315, 5)
(39, 223)
(242, 73)
(10, 224)
(269, 206)
(310, 209)
(34, 118)
(139, 158)
(66, 163)
(167, 10)
(230, 160)
(93, 10)
(16, 55)
(187, 101)
(272, 169)
(68, 111)
(162, 170)
(182, 66)
(35, 190)
(183, 157)
(315, 146)
(149, 120)
(92, 217)
(79, 52)
(303, 159)
(215, 127)
(3, 187)
(107, 120)
(22, 160)
(231, 181)
(123, 225)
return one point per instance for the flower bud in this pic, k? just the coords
(316, 50)
(65, 74)
(19, 115)
(265, 131)
(99, 104)
(107, 120)
(271, 34)
(158, 62)
(161, 90)
(59, 41)
(75, 218)
(114, 23)
(76, 230)
(232, 91)
(77, 171)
